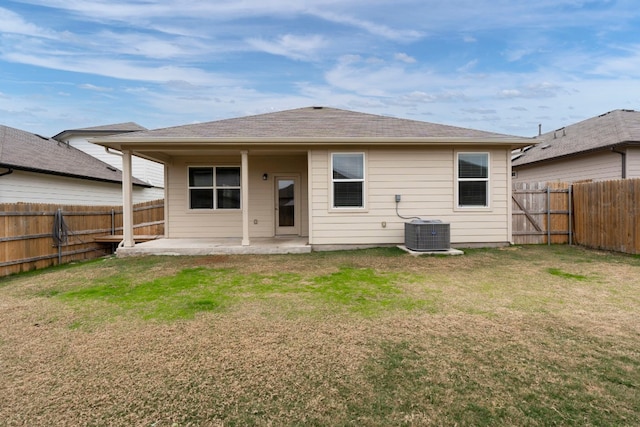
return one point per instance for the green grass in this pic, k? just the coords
(195, 290)
(522, 336)
(558, 272)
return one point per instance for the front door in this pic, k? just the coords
(287, 216)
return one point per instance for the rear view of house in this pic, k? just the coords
(337, 178)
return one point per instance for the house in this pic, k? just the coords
(146, 170)
(37, 169)
(600, 148)
(336, 178)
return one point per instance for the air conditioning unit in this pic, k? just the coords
(427, 235)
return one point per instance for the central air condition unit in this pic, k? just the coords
(427, 235)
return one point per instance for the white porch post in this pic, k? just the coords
(127, 200)
(244, 186)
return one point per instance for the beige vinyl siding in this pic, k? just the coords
(31, 187)
(598, 166)
(425, 180)
(633, 162)
(262, 193)
(188, 223)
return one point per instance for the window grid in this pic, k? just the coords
(222, 189)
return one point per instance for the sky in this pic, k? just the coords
(497, 65)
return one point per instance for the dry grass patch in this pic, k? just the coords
(524, 336)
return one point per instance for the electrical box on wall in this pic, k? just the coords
(398, 197)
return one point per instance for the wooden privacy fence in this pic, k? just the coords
(607, 215)
(29, 231)
(542, 213)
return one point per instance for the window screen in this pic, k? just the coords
(348, 180)
(473, 179)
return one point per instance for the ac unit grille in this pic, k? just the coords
(431, 235)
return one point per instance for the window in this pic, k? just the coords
(348, 180)
(473, 179)
(214, 187)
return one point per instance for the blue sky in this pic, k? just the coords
(497, 65)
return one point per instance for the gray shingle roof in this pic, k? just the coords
(112, 129)
(117, 127)
(604, 131)
(313, 122)
(26, 151)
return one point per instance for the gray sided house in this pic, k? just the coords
(600, 148)
(335, 178)
(37, 169)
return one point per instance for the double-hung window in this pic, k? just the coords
(347, 176)
(215, 187)
(473, 179)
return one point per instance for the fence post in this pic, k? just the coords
(548, 215)
(570, 203)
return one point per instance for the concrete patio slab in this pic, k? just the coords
(450, 251)
(276, 245)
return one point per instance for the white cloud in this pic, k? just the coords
(468, 66)
(291, 46)
(89, 86)
(403, 57)
(12, 23)
(120, 69)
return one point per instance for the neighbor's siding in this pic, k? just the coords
(186, 223)
(30, 187)
(143, 169)
(425, 180)
(600, 166)
(633, 162)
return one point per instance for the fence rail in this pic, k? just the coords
(27, 231)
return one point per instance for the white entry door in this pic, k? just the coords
(287, 209)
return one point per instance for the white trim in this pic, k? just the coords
(310, 195)
(456, 180)
(244, 196)
(332, 206)
(213, 188)
(127, 200)
(295, 229)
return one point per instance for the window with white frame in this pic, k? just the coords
(347, 176)
(216, 187)
(473, 179)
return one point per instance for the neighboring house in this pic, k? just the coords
(329, 175)
(146, 170)
(36, 169)
(599, 148)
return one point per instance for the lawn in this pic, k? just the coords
(528, 336)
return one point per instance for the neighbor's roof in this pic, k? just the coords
(112, 129)
(311, 124)
(615, 128)
(26, 151)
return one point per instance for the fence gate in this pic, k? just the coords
(542, 213)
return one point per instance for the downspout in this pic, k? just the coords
(115, 153)
(9, 171)
(624, 161)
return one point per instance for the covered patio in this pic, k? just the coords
(218, 246)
